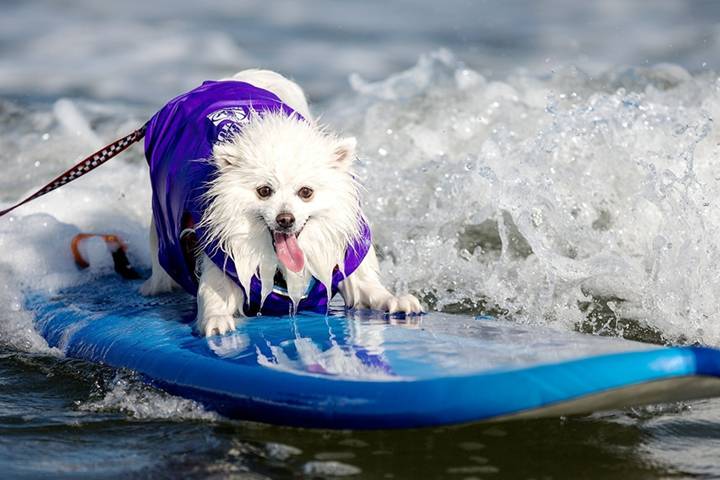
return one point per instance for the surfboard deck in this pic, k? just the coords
(364, 370)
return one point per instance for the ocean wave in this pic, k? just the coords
(571, 200)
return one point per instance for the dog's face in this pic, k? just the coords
(284, 189)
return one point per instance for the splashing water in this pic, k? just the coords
(128, 394)
(539, 198)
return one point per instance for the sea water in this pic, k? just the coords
(552, 163)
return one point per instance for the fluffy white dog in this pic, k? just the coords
(284, 207)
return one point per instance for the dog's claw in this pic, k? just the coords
(404, 304)
(393, 305)
(414, 304)
(216, 325)
(409, 304)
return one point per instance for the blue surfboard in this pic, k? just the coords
(364, 370)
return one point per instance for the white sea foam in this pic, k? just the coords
(127, 394)
(538, 193)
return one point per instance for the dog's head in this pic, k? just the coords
(284, 195)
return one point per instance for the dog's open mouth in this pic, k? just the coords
(288, 251)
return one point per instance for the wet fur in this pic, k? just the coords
(287, 154)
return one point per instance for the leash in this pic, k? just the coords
(85, 166)
(116, 246)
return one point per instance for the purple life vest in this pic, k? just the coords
(183, 132)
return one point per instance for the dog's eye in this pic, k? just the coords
(264, 191)
(305, 193)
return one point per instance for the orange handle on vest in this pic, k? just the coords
(113, 242)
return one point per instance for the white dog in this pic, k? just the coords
(282, 205)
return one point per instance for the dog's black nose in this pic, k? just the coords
(285, 220)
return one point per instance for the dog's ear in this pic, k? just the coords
(222, 155)
(344, 153)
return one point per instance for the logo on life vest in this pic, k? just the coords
(227, 122)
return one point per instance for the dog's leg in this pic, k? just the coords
(218, 299)
(159, 281)
(363, 289)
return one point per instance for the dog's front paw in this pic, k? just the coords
(155, 285)
(403, 304)
(148, 289)
(215, 325)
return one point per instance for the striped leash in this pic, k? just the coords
(87, 165)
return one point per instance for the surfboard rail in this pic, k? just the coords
(338, 372)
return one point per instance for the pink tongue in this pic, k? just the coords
(288, 251)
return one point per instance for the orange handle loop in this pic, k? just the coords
(113, 243)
